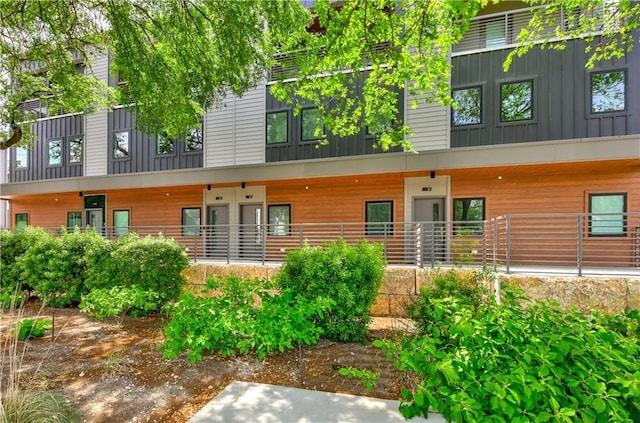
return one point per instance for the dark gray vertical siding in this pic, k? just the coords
(561, 96)
(38, 157)
(142, 149)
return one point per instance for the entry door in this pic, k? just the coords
(429, 230)
(93, 218)
(217, 241)
(251, 231)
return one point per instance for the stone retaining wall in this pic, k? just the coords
(401, 284)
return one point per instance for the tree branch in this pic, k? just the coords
(15, 137)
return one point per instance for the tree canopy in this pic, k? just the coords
(179, 58)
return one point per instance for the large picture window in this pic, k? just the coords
(469, 110)
(120, 145)
(312, 124)
(278, 127)
(516, 101)
(120, 222)
(191, 221)
(280, 220)
(75, 149)
(379, 218)
(55, 152)
(608, 92)
(607, 214)
(468, 216)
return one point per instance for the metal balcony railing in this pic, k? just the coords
(576, 243)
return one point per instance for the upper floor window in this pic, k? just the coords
(164, 144)
(469, 110)
(120, 145)
(55, 152)
(22, 157)
(608, 91)
(468, 213)
(312, 124)
(193, 141)
(495, 33)
(278, 127)
(75, 149)
(516, 101)
(379, 218)
(607, 216)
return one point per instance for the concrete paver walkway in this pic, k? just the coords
(261, 403)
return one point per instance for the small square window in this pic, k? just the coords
(191, 221)
(22, 221)
(75, 149)
(55, 152)
(607, 214)
(312, 124)
(468, 215)
(74, 220)
(278, 127)
(193, 140)
(22, 157)
(516, 101)
(120, 145)
(469, 111)
(164, 144)
(120, 222)
(608, 91)
(379, 218)
(280, 220)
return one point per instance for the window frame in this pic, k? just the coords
(191, 230)
(113, 145)
(172, 143)
(315, 137)
(378, 228)
(121, 230)
(79, 140)
(623, 216)
(60, 159)
(532, 82)
(277, 112)
(17, 223)
(481, 88)
(624, 72)
(26, 157)
(475, 227)
(273, 225)
(78, 214)
(185, 144)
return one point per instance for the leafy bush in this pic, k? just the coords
(241, 318)
(118, 300)
(29, 328)
(465, 287)
(350, 275)
(520, 362)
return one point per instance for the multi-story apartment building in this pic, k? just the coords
(547, 136)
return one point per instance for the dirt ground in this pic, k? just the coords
(113, 370)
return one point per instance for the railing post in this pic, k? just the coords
(195, 249)
(579, 234)
(495, 241)
(264, 244)
(301, 237)
(229, 243)
(484, 243)
(508, 243)
(433, 244)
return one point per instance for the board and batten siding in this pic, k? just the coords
(429, 122)
(235, 132)
(96, 129)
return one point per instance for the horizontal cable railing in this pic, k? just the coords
(578, 243)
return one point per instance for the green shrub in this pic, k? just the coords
(465, 287)
(350, 275)
(520, 362)
(241, 318)
(118, 300)
(29, 328)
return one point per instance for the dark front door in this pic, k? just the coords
(429, 230)
(251, 231)
(218, 242)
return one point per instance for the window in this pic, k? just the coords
(22, 157)
(55, 152)
(469, 111)
(120, 145)
(379, 218)
(164, 144)
(120, 222)
(280, 220)
(193, 140)
(312, 124)
(469, 215)
(191, 222)
(22, 221)
(608, 91)
(607, 214)
(278, 127)
(516, 101)
(495, 34)
(74, 220)
(75, 150)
